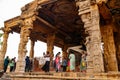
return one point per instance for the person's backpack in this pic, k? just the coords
(83, 63)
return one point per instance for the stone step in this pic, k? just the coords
(1, 73)
(5, 77)
(63, 76)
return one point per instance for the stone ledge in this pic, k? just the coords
(65, 75)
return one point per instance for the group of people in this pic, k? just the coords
(11, 63)
(46, 66)
(67, 64)
(83, 63)
(57, 63)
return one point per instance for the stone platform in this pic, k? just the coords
(64, 76)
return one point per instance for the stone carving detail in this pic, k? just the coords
(92, 2)
(95, 17)
(29, 10)
(90, 64)
(90, 16)
(84, 5)
(86, 18)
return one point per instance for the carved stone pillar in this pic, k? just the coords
(116, 22)
(109, 48)
(32, 49)
(117, 43)
(64, 51)
(24, 36)
(3, 49)
(50, 46)
(50, 43)
(90, 16)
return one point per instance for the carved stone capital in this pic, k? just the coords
(84, 6)
(7, 30)
(101, 1)
(27, 23)
(29, 10)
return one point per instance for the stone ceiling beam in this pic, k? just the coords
(51, 26)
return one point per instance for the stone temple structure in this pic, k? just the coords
(69, 23)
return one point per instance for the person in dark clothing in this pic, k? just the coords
(27, 64)
(6, 62)
(46, 66)
(64, 64)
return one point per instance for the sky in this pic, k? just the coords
(10, 9)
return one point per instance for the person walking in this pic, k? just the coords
(6, 62)
(46, 66)
(72, 60)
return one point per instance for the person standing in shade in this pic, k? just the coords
(83, 63)
(57, 62)
(68, 65)
(72, 60)
(27, 64)
(64, 64)
(46, 66)
(12, 65)
(6, 62)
